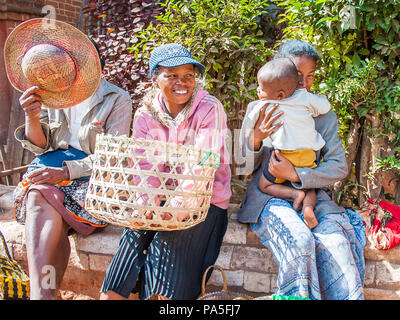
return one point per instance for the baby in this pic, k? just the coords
(297, 138)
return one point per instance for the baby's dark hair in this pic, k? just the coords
(297, 48)
(282, 72)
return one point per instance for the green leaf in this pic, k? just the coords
(232, 88)
(364, 52)
(213, 49)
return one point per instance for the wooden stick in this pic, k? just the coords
(3, 158)
(12, 171)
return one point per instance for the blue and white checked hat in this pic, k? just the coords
(171, 55)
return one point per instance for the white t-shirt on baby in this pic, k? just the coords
(298, 130)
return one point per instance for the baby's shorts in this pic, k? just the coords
(299, 158)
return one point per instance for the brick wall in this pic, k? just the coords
(16, 11)
(66, 10)
(249, 266)
(13, 12)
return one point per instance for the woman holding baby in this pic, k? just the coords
(322, 260)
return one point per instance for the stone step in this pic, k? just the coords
(249, 266)
(6, 202)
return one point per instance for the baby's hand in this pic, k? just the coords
(264, 126)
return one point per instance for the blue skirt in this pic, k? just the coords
(325, 263)
(167, 263)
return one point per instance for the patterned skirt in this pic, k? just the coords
(324, 263)
(167, 263)
(67, 197)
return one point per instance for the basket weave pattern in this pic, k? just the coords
(223, 294)
(148, 184)
(55, 56)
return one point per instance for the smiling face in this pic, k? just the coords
(176, 85)
(306, 69)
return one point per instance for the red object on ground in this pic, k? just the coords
(384, 233)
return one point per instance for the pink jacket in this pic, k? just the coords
(202, 123)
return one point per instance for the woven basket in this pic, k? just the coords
(137, 183)
(224, 294)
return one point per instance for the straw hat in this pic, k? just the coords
(56, 57)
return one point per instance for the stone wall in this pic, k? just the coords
(382, 273)
(249, 266)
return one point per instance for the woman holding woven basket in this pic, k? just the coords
(177, 109)
(66, 104)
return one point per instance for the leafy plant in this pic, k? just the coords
(114, 25)
(391, 162)
(359, 43)
(226, 36)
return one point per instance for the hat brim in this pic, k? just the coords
(180, 61)
(39, 31)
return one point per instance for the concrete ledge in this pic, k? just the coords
(249, 266)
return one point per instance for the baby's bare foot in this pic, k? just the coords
(309, 217)
(298, 197)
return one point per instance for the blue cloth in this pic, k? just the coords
(324, 263)
(171, 55)
(56, 159)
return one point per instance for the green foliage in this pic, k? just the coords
(349, 29)
(226, 36)
(391, 162)
(359, 41)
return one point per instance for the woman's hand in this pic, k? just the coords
(264, 126)
(280, 167)
(49, 175)
(31, 103)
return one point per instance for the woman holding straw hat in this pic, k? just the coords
(66, 103)
(177, 109)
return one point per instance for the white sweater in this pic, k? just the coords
(298, 130)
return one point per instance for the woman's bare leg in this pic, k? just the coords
(47, 245)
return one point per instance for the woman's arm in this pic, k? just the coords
(333, 166)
